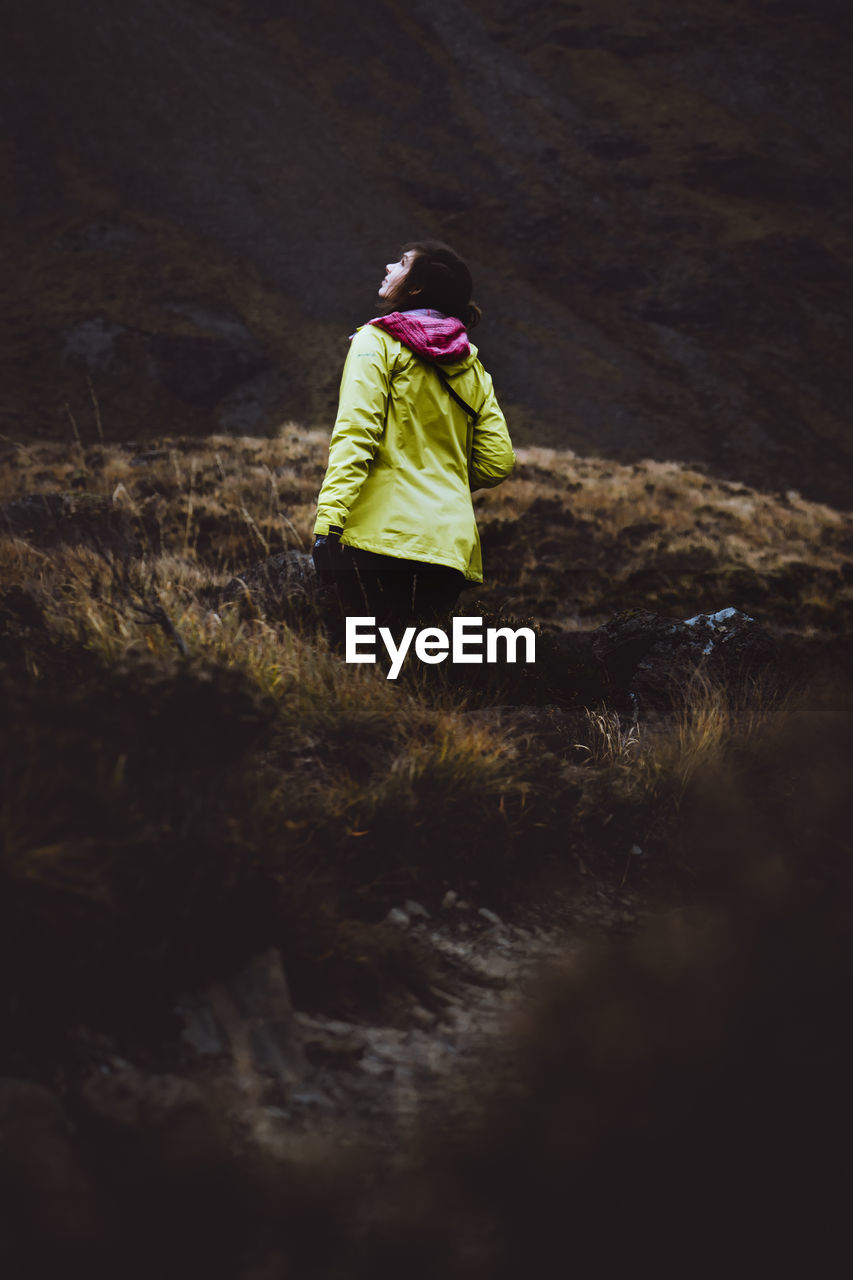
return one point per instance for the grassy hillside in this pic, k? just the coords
(196, 782)
(176, 746)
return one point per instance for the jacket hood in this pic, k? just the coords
(428, 333)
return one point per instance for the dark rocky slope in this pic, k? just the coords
(198, 198)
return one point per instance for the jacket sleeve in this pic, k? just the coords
(492, 456)
(358, 427)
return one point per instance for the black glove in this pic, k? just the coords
(326, 549)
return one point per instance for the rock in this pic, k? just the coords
(201, 1031)
(93, 342)
(119, 1096)
(423, 1017)
(651, 658)
(306, 1098)
(337, 1027)
(449, 900)
(399, 918)
(201, 369)
(282, 587)
(255, 1014)
(622, 642)
(713, 627)
(491, 916)
(374, 1066)
(249, 1017)
(415, 909)
(85, 519)
(330, 1040)
(733, 640)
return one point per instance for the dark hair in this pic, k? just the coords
(442, 280)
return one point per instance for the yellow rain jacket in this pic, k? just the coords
(398, 478)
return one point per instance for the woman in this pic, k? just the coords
(418, 429)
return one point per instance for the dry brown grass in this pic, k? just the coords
(225, 502)
(267, 488)
(595, 536)
(219, 500)
(609, 739)
(351, 789)
(711, 724)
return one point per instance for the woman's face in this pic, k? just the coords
(395, 274)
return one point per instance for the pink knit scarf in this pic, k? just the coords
(428, 333)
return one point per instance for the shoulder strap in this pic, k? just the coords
(473, 414)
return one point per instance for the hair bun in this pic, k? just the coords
(473, 315)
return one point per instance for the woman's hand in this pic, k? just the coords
(334, 535)
(326, 549)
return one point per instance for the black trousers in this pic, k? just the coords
(397, 593)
